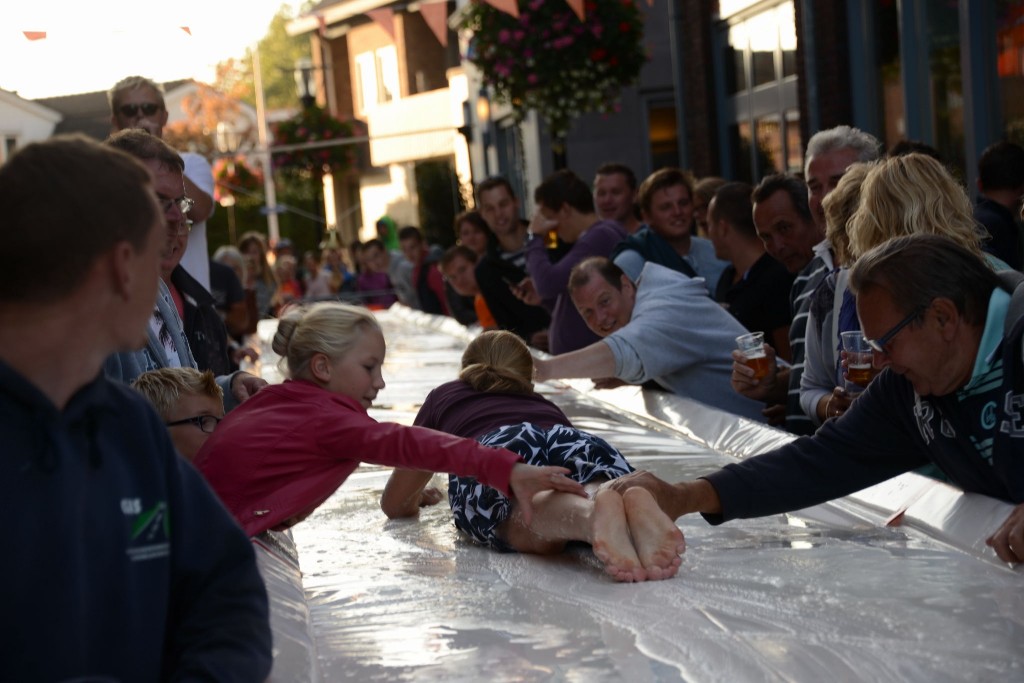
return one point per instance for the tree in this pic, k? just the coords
(278, 54)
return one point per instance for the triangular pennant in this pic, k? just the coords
(506, 6)
(34, 35)
(385, 18)
(435, 15)
(186, 29)
(577, 7)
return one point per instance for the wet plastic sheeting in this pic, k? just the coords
(829, 594)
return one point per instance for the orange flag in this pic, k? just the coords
(34, 35)
(577, 7)
(435, 15)
(506, 6)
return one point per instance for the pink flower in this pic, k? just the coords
(532, 79)
(504, 35)
(563, 42)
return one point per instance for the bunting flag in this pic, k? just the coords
(577, 7)
(186, 29)
(506, 6)
(385, 18)
(435, 15)
(34, 35)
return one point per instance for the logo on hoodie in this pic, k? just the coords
(150, 530)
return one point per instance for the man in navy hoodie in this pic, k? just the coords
(123, 565)
(947, 334)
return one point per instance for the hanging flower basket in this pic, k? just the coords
(314, 124)
(234, 178)
(551, 61)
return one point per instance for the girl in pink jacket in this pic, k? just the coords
(280, 454)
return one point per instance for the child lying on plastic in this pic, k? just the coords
(629, 532)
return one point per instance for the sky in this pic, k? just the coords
(90, 46)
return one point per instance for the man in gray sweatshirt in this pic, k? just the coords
(664, 327)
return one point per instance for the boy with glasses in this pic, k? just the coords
(188, 401)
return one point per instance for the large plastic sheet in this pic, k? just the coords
(828, 593)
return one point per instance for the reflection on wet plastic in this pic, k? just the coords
(825, 594)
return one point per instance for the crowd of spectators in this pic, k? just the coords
(624, 282)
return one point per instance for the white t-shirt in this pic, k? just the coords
(196, 259)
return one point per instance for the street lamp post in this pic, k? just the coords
(227, 141)
(306, 89)
(273, 232)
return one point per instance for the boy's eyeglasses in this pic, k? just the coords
(206, 423)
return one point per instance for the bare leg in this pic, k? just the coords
(658, 541)
(562, 517)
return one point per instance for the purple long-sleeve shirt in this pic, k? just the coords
(568, 332)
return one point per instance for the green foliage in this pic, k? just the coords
(550, 61)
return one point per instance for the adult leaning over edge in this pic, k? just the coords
(947, 332)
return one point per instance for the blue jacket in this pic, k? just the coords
(121, 563)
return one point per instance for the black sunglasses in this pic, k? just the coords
(147, 109)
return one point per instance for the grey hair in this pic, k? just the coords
(866, 145)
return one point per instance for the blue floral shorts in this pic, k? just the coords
(479, 510)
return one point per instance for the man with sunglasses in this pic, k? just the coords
(947, 333)
(137, 102)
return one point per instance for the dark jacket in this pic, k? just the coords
(124, 564)
(207, 336)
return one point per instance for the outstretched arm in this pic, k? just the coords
(406, 492)
(595, 360)
(675, 500)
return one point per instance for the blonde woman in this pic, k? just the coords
(913, 194)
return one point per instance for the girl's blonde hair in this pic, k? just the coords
(329, 327)
(912, 194)
(840, 204)
(498, 361)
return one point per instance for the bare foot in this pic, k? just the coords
(658, 541)
(610, 538)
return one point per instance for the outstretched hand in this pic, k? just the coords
(527, 481)
(1008, 541)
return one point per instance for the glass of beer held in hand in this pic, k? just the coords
(752, 347)
(860, 369)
